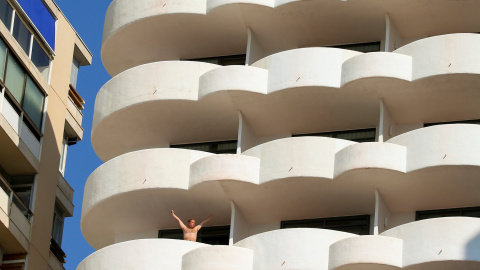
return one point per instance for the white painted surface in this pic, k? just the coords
(292, 248)
(377, 64)
(440, 146)
(140, 254)
(439, 239)
(218, 258)
(30, 141)
(11, 115)
(225, 167)
(385, 156)
(366, 250)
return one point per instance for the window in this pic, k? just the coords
(6, 13)
(21, 34)
(63, 153)
(454, 212)
(476, 121)
(359, 135)
(354, 224)
(220, 147)
(24, 37)
(40, 59)
(57, 233)
(224, 60)
(217, 235)
(22, 185)
(74, 73)
(361, 47)
(22, 89)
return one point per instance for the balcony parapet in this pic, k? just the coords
(301, 248)
(144, 254)
(453, 241)
(284, 93)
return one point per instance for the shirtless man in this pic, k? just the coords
(190, 232)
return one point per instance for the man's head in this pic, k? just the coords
(191, 223)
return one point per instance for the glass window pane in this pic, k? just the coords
(3, 55)
(6, 12)
(21, 34)
(40, 59)
(74, 74)
(15, 78)
(33, 103)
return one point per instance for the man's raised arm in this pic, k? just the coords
(205, 221)
(179, 221)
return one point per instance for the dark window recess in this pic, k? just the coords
(360, 47)
(475, 121)
(454, 212)
(359, 135)
(354, 224)
(221, 147)
(57, 251)
(223, 60)
(218, 235)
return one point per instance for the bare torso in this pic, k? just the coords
(190, 234)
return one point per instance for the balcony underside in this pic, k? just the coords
(437, 246)
(127, 194)
(293, 92)
(15, 157)
(202, 28)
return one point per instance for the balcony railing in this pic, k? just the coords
(13, 197)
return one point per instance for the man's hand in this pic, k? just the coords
(171, 211)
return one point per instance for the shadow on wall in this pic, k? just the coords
(472, 249)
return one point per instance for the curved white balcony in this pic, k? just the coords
(366, 252)
(135, 192)
(452, 54)
(267, 180)
(292, 248)
(187, 29)
(177, 102)
(441, 145)
(380, 156)
(218, 258)
(140, 254)
(440, 243)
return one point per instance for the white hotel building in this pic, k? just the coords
(322, 134)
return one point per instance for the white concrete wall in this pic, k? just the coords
(218, 258)
(439, 240)
(366, 252)
(292, 248)
(140, 254)
(255, 51)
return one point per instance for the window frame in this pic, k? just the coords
(303, 223)
(444, 213)
(334, 134)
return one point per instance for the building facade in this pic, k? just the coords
(40, 117)
(320, 134)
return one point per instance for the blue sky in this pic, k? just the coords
(87, 17)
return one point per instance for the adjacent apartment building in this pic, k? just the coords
(320, 134)
(40, 117)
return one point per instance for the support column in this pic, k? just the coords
(382, 215)
(239, 226)
(255, 51)
(392, 38)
